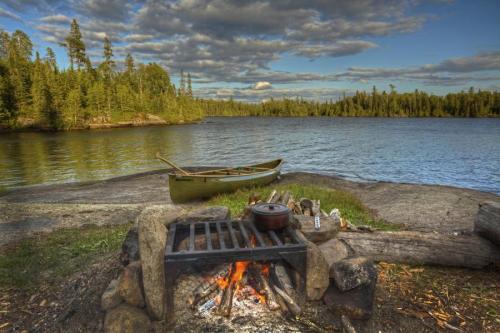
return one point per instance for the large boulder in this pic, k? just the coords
(317, 271)
(152, 242)
(328, 228)
(129, 284)
(335, 250)
(353, 272)
(213, 213)
(126, 319)
(356, 303)
(165, 214)
(111, 297)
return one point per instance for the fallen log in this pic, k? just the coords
(412, 247)
(487, 222)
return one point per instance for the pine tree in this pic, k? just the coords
(129, 64)
(189, 87)
(75, 45)
(50, 58)
(183, 84)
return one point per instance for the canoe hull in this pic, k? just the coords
(189, 188)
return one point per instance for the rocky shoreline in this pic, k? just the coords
(26, 211)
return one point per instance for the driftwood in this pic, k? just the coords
(412, 247)
(487, 223)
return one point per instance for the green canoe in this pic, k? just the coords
(198, 185)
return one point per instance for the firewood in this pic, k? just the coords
(290, 302)
(323, 213)
(291, 202)
(276, 197)
(253, 199)
(284, 198)
(202, 292)
(283, 307)
(206, 288)
(282, 280)
(270, 197)
(226, 303)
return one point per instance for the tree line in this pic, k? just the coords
(375, 104)
(34, 92)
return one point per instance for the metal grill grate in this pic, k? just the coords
(227, 242)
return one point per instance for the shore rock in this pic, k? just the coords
(356, 303)
(111, 298)
(353, 272)
(129, 285)
(126, 319)
(328, 228)
(152, 242)
(213, 213)
(335, 250)
(165, 214)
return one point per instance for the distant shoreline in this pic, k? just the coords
(156, 123)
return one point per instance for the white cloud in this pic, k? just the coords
(262, 85)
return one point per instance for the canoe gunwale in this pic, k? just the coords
(276, 168)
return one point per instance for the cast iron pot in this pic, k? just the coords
(269, 216)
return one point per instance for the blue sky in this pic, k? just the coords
(261, 49)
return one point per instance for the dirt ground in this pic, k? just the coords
(408, 299)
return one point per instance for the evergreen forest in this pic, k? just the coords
(35, 93)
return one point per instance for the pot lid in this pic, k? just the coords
(270, 209)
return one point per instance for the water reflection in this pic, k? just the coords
(459, 152)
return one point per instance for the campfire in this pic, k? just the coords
(246, 285)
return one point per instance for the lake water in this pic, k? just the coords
(457, 152)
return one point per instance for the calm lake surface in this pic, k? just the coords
(457, 152)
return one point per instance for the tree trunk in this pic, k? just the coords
(411, 247)
(487, 223)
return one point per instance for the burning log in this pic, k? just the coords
(226, 303)
(266, 290)
(207, 288)
(203, 291)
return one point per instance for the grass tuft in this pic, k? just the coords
(48, 258)
(349, 206)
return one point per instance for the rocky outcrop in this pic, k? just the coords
(129, 285)
(152, 241)
(111, 297)
(328, 228)
(126, 319)
(352, 273)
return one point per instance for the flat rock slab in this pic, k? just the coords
(416, 207)
(328, 228)
(353, 272)
(356, 303)
(213, 213)
(20, 220)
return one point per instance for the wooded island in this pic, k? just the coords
(35, 93)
